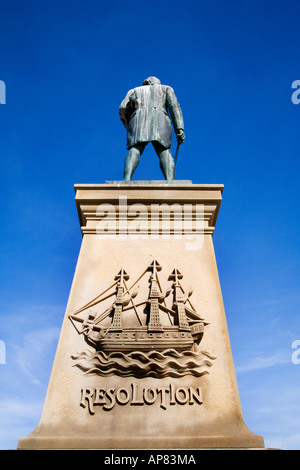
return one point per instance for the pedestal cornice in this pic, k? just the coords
(153, 196)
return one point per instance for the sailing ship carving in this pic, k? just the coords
(185, 327)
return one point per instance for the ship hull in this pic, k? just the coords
(140, 339)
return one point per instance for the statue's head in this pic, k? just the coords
(151, 81)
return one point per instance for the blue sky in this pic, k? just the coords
(67, 65)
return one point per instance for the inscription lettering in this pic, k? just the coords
(139, 396)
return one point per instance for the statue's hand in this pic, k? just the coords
(180, 136)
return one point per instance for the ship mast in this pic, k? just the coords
(117, 318)
(179, 300)
(154, 320)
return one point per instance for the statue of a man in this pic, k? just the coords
(144, 113)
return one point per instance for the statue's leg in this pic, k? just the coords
(132, 160)
(166, 161)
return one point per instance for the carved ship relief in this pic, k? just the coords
(150, 347)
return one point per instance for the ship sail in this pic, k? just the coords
(117, 320)
(154, 319)
(179, 301)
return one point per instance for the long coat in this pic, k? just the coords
(144, 113)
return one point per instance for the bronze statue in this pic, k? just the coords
(144, 113)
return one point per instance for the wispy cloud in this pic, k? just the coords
(17, 419)
(15, 407)
(275, 300)
(280, 304)
(31, 354)
(273, 412)
(263, 362)
(30, 333)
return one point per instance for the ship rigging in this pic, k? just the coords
(185, 326)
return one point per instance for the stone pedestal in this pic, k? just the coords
(144, 359)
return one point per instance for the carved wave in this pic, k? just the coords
(168, 363)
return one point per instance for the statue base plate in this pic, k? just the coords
(164, 182)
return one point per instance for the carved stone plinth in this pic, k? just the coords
(144, 359)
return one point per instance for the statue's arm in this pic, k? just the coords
(176, 114)
(126, 108)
